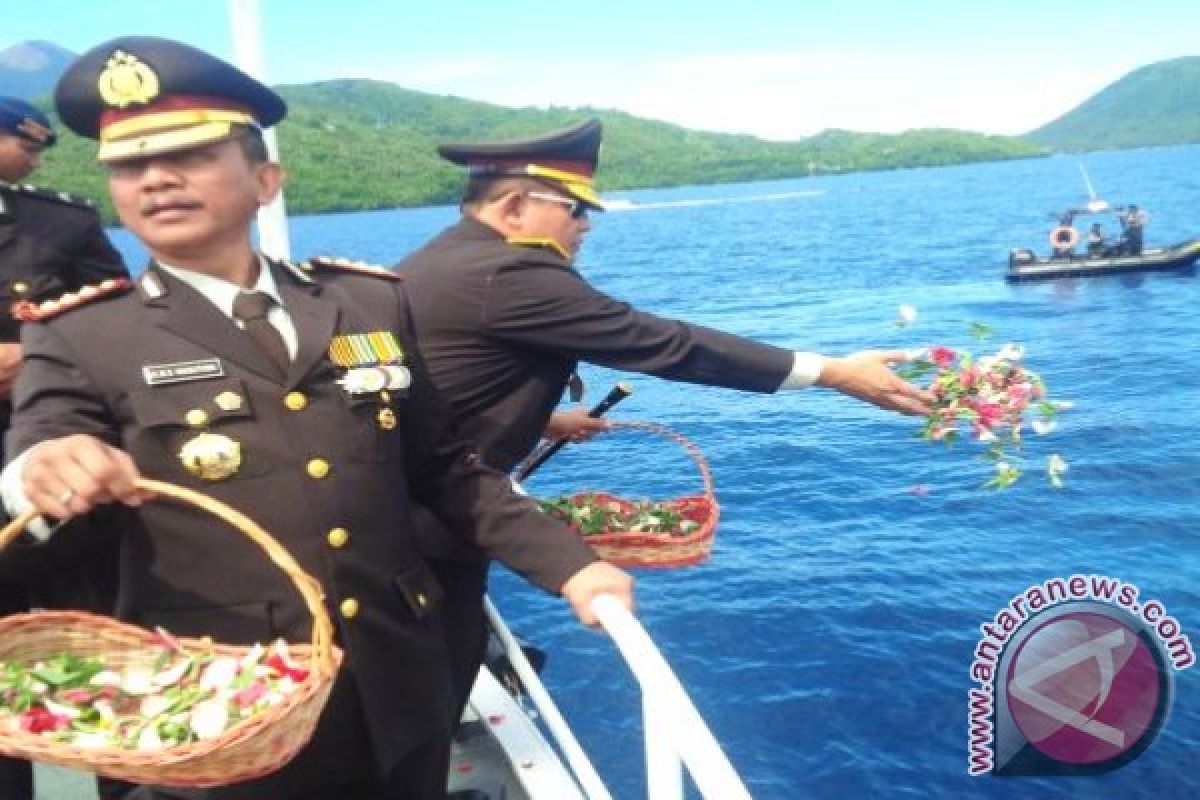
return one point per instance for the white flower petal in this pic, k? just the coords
(1011, 352)
(60, 709)
(1043, 425)
(219, 673)
(139, 682)
(172, 675)
(253, 656)
(1056, 464)
(153, 705)
(105, 710)
(106, 678)
(208, 719)
(149, 739)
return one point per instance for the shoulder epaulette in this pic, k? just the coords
(540, 241)
(50, 194)
(318, 263)
(28, 311)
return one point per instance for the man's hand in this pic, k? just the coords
(868, 376)
(72, 475)
(575, 425)
(10, 365)
(596, 579)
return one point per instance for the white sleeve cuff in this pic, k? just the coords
(12, 493)
(806, 368)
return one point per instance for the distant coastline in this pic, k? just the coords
(367, 145)
(359, 145)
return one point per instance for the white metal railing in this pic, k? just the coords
(675, 732)
(676, 735)
(577, 759)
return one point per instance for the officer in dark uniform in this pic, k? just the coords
(293, 393)
(50, 243)
(503, 318)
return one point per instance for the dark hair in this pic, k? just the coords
(485, 188)
(254, 147)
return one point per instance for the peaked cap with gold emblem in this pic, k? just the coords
(142, 95)
(567, 157)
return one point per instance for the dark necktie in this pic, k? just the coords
(251, 309)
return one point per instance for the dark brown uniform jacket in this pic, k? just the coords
(503, 326)
(188, 572)
(50, 243)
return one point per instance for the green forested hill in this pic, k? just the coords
(351, 145)
(1157, 104)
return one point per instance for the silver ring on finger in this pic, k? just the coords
(66, 497)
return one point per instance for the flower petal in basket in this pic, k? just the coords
(250, 748)
(637, 549)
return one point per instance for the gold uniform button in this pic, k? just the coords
(349, 608)
(295, 401)
(197, 418)
(229, 401)
(421, 599)
(20, 287)
(338, 537)
(318, 468)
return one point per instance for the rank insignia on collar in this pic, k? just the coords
(28, 311)
(542, 242)
(365, 349)
(325, 263)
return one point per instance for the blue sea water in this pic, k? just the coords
(829, 639)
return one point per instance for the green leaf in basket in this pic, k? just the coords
(66, 671)
(591, 516)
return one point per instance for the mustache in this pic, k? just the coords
(152, 205)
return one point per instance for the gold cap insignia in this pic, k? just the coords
(126, 80)
(211, 456)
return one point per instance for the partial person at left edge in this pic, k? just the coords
(51, 243)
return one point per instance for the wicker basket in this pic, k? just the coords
(662, 549)
(251, 748)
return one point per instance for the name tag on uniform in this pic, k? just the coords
(183, 371)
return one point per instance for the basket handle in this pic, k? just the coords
(688, 446)
(310, 589)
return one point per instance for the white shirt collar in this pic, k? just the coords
(221, 292)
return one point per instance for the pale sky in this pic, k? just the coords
(779, 69)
